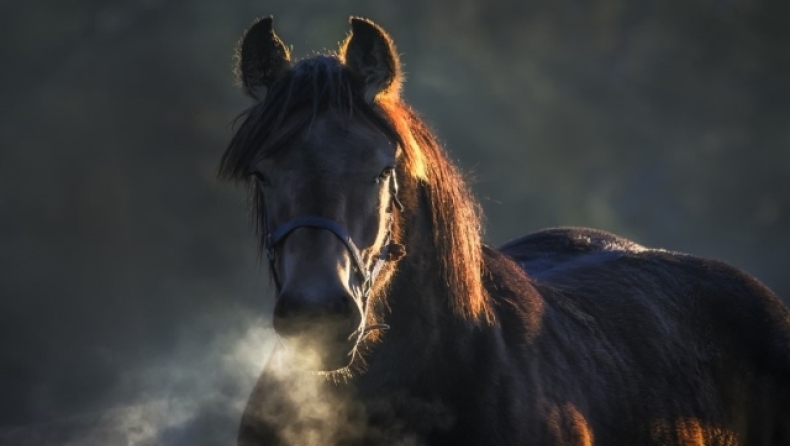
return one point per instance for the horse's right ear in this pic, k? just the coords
(262, 58)
(370, 55)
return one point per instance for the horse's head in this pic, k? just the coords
(324, 162)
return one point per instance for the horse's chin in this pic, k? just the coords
(320, 357)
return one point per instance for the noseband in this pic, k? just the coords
(366, 275)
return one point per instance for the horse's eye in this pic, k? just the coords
(384, 174)
(262, 180)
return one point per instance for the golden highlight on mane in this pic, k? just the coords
(455, 213)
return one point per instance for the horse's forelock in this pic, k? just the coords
(312, 86)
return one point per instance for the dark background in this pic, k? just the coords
(133, 309)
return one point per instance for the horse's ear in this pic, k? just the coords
(370, 55)
(262, 58)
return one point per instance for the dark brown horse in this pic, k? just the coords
(399, 327)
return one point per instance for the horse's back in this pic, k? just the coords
(543, 251)
(595, 269)
(665, 317)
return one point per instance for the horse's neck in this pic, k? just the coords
(424, 367)
(424, 330)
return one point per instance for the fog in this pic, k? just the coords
(134, 309)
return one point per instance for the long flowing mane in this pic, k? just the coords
(323, 83)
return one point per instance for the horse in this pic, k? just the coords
(397, 325)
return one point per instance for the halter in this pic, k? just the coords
(366, 276)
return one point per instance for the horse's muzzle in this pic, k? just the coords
(320, 330)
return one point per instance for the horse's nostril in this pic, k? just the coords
(299, 312)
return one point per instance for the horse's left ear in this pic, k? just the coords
(262, 58)
(370, 55)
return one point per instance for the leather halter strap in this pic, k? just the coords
(310, 221)
(366, 276)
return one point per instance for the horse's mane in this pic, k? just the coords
(323, 83)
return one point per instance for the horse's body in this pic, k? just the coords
(564, 337)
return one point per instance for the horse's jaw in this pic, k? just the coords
(295, 355)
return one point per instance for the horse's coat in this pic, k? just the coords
(564, 337)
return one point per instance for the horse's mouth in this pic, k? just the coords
(316, 354)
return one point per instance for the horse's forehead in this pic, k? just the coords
(338, 144)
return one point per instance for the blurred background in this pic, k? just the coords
(133, 309)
